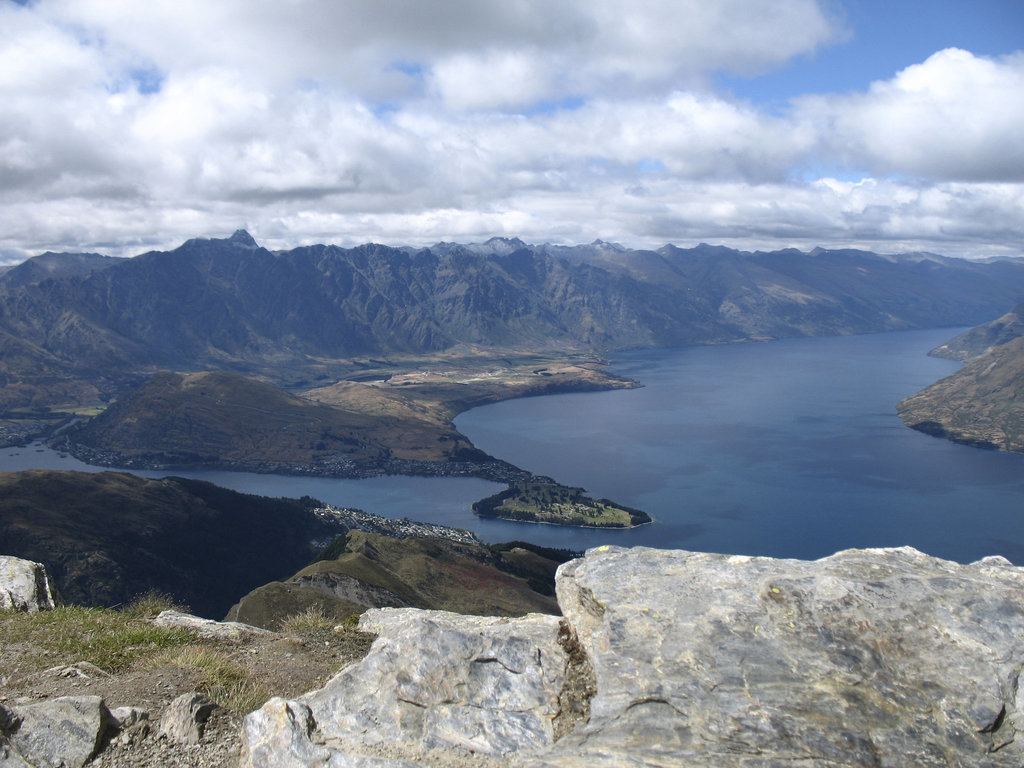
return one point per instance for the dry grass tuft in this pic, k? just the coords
(311, 618)
(221, 678)
(151, 603)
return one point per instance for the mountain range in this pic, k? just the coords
(84, 328)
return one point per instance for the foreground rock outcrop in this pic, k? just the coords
(65, 732)
(433, 680)
(25, 585)
(877, 657)
(866, 658)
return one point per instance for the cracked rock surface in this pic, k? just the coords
(432, 681)
(866, 658)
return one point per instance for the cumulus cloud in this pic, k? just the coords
(366, 47)
(128, 126)
(953, 116)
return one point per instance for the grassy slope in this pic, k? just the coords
(217, 417)
(418, 572)
(141, 657)
(223, 416)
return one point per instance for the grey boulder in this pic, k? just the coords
(432, 681)
(60, 733)
(208, 629)
(184, 719)
(865, 658)
(25, 585)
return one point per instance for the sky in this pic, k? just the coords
(891, 125)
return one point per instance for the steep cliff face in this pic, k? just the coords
(668, 658)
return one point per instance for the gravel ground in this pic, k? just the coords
(284, 665)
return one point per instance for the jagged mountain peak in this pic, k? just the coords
(243, 238)
(506, 241)
(604, 245)
(240, 239)
(501, 246)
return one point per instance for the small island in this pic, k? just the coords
(557, 505)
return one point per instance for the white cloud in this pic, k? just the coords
(127, 126)
(494, 79)
(582, 44)
(954, 116)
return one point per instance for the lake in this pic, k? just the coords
(790, 448)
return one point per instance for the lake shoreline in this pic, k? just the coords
(791, 449)
(496, 470)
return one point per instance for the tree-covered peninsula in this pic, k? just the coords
(558, 505)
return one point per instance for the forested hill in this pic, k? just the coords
(228, 303)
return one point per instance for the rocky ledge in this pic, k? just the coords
(665, 658)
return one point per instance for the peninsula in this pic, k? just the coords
(558, 505)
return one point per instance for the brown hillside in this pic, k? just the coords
(981, 404)
(225, 418)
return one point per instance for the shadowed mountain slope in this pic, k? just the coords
(109, 536)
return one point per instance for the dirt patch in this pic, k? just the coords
(280, 665)
(580, 684)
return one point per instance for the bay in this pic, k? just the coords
(790, 448)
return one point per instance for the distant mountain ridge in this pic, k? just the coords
(229, 304)
(983, 338)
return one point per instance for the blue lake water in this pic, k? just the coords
(790, 448)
